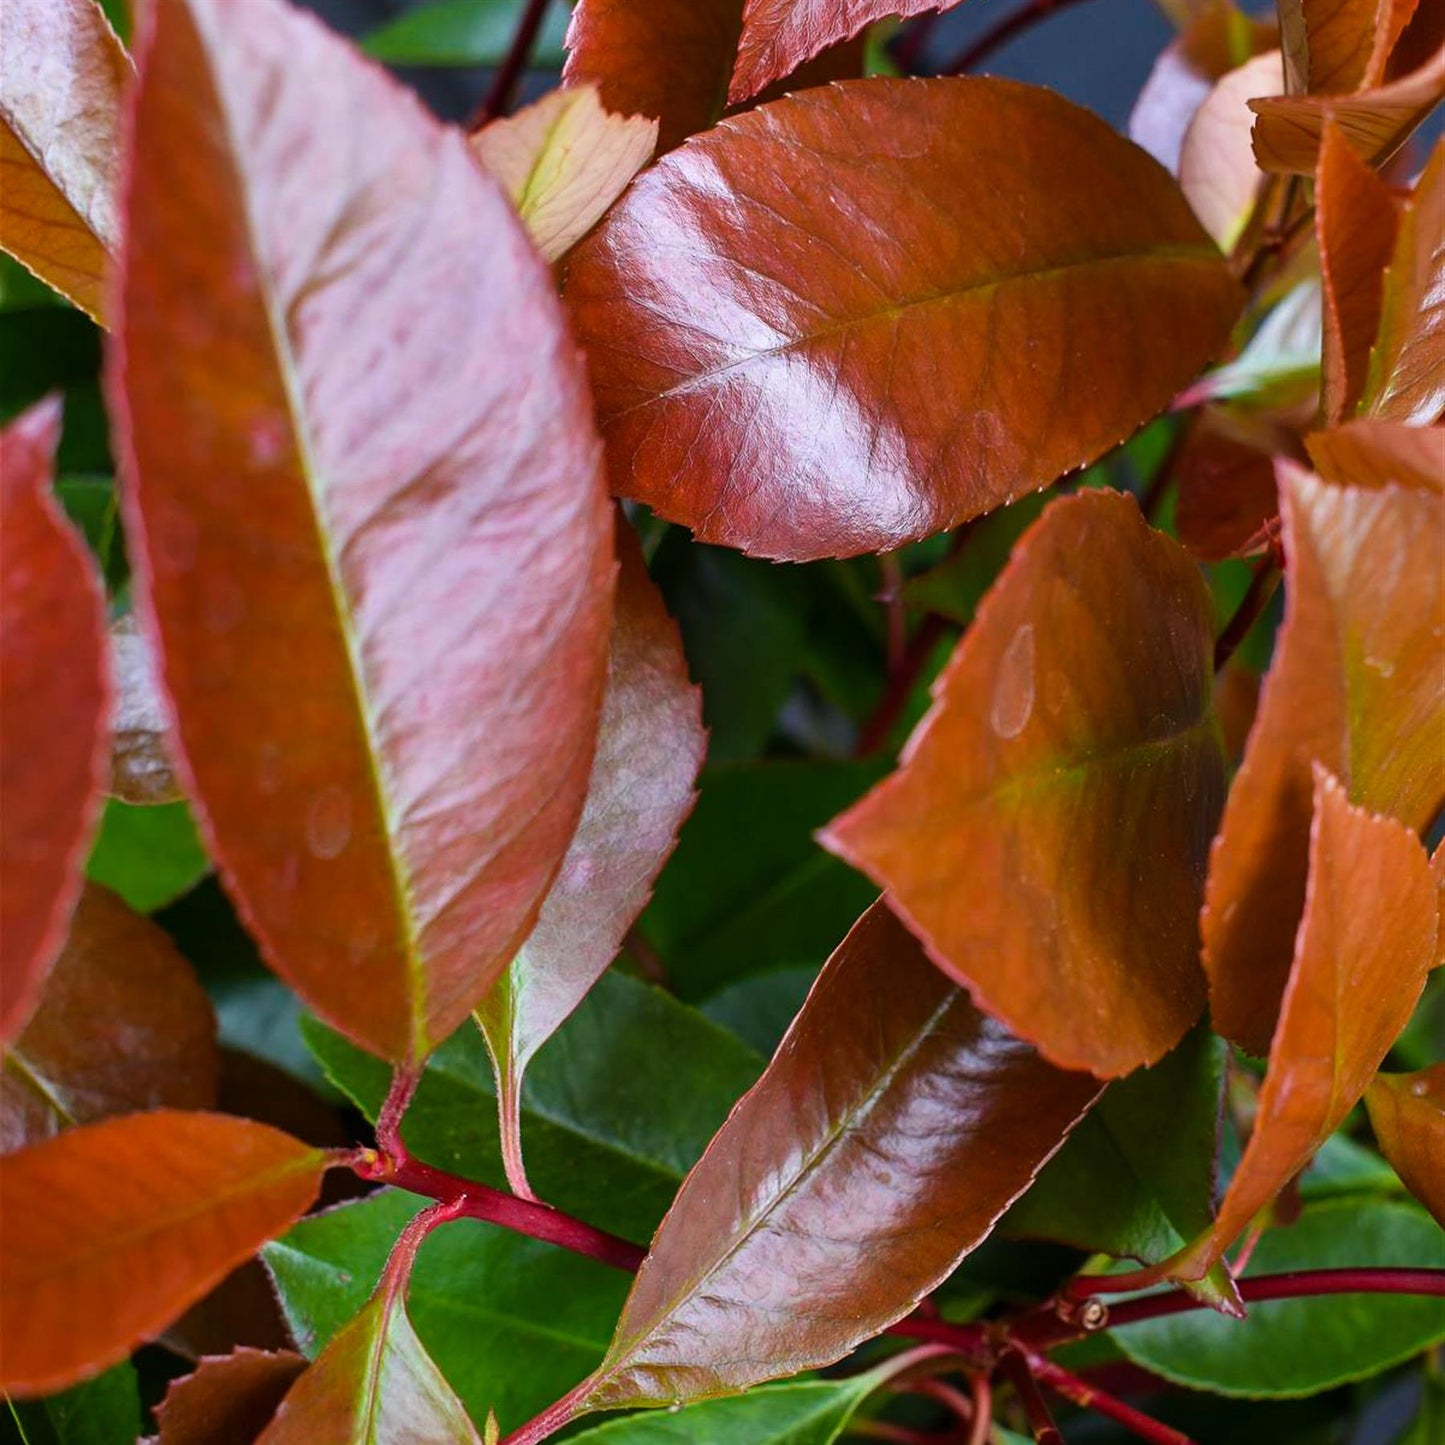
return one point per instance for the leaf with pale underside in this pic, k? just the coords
(53, 742)
(228, 1399)
(1046, 831)
(87, 1272)
(1407, 367)
(563, 161)
(1368, 933)
(850, 318)
(140, 767)
(376, 555)
(1407, 1113)
(1355, 686)
(893, 1127)
(1369, 453)
(123, 1024)
(62, 75)
(650, 745)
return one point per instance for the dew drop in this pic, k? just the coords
(1013, 691)
(1420, 1088)
(328, 823)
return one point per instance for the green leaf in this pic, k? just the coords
(1299, 1347)
(1136, 1177)
(759, 1009)
(512, 1323)
(721, 912)
(149, 855)
(1344, 1167)
(102, 1411)
(464, 32)
(617, 1106)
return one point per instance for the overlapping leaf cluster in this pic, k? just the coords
(359, 602)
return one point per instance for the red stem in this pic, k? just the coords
(1002, 33)
(900, 685)
(514, 66)
(982, 1410)
(1015, 1367)
(1256, 598)
(1089, 1397)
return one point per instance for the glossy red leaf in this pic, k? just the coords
(375, 554)
(1046, 831)
(1370, 453)
(854, 316)
(1355, 226)
(110, 1230)
(62, 74)
(1368, 933)
(1407, 1113)
(1407, 368)
(229, 1400)
(893, 1127)
(123, 1024)
(1224, 475)
(650, 745)
(1355, 686)
(53, 742)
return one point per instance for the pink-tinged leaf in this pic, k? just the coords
(1407, 367)
(1370, 453)
(851, 317)
(1354, 686)
(375, 553)
(563, 161)
(1216, 163)
(1355, 226)
(891, 1130)
(123, 1024)
(229, 1399)
(140, 767)
(53, 701)
(1368, 934)
(1046, 831)
(62, 74)
(111, 1230)
(650, 745)
(1224, 474)
(1375, 123)
(1407, 1113)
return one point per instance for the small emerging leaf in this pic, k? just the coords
(228, 1400)
(1407, 1113)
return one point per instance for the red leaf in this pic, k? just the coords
(1407, 1113)
(1046, 831)
(1369, 453)
(1368, 934)
(123, 1024)
(53, 701)
(1355, 686)
(229, 1399)
(1347, 42)
(893, 1127)
(853, 317)
(110, 1230)
(1224, 473)
(62, 72)
(375, 552)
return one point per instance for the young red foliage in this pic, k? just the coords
(229, 1400)
(1407, 1113)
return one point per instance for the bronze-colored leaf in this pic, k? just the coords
(1355, 686)
(1407, 1113)
(62, 74)
(140, 766)
(1227, 501)
(1370, 453)
(229, 1399)
(53, 742)
(1347, 42)
(375, 555)
(110, 1230)
(853, 317)
(1046, 831)
(123, 1024)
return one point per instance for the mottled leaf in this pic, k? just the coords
(62, 73)
(377, 553)
(140, 767)
(51, 715)
(229, 1399)
(563, 161)
(891, 1130)
(1407, 1112)
(1046, 832)
(1407, 367)
(89, 1272)
(1368, 933)
(1355, 226)
(1370, 453)
(123, 1024)
(850, 318)
(1355, 685)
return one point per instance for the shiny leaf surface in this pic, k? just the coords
(1354, 686)
(891, 1130)
(777, 373)
(563, 161)
(87, 1273)
(229, 1400)
(1370, 453)
(123, 1025)
(1407, 1113)
(1046, 831)
(62, 73)
(51, 717)
(358, 649)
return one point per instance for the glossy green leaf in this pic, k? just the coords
(148, 855)
(1296, 1347)
(102, 1411)
(464, 32)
